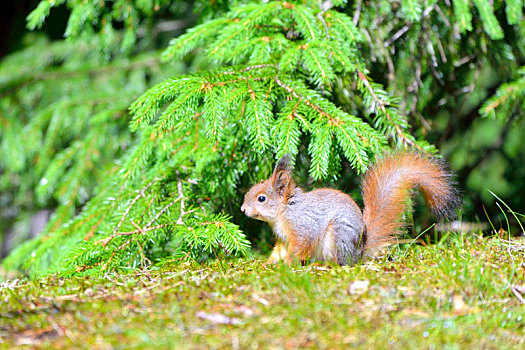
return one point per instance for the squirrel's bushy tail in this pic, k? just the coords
(386, 187)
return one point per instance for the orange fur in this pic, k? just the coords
(299, 249)
(387, 184)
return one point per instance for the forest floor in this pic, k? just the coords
(460, 293)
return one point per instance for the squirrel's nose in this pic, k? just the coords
(243, 209)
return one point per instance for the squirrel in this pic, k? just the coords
(327, 225)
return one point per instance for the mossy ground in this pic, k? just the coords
(455, 294)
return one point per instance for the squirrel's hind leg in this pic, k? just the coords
(348, 240)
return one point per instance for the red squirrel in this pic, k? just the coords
(327, 225)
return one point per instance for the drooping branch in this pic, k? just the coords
(382, 106)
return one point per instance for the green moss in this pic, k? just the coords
(455, 294)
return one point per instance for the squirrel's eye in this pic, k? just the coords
(261, 198)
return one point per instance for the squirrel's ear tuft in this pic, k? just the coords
(284, 164)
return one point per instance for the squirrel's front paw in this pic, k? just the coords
(274, 258)
(279, 253)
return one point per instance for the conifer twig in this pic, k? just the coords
(296, 95)
(146, 229)
(162, 211)
(182, 205)
(249, 68)
(141, 230)
(405, 28)
(357, 12)
(320, 16)
(150, 203)
(140, 194)
(108, 239)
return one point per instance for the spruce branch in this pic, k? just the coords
(405, 139)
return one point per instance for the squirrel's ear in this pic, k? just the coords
(282, 182)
